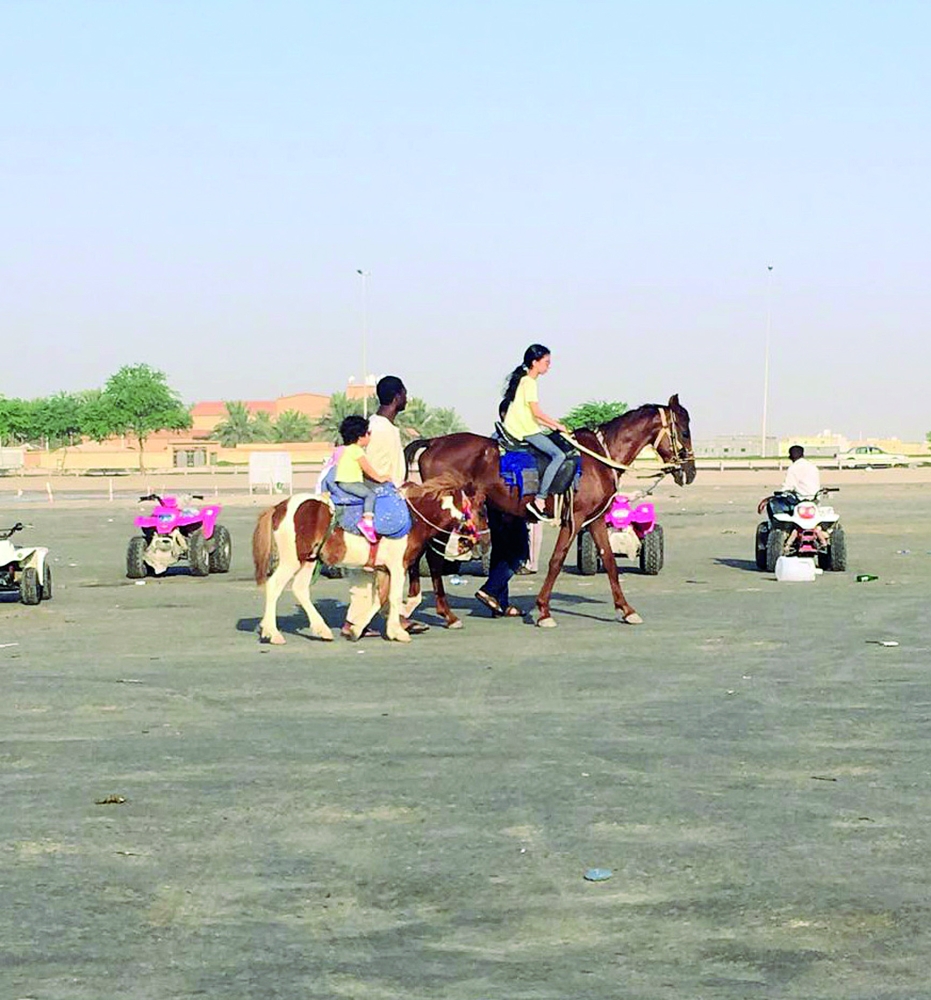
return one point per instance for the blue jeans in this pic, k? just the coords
(364, 492)
(544, 442)
(508, 550)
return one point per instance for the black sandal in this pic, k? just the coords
(493, 606)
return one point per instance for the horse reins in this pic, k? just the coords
(447, 531)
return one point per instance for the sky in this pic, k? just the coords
(196, 185)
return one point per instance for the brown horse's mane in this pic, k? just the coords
(433, 489)
(628, 416)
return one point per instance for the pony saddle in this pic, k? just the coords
(522, 465)
(392, 515)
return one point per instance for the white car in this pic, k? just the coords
(868, 456)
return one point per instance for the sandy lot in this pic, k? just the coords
(375, 821)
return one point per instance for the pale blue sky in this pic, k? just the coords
(193, 184)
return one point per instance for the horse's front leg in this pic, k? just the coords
(435, 562)
(414, 596)
(274, 585)
(563, 541)
(623, 611)
(301, 588)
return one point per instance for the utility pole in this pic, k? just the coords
(769, 313)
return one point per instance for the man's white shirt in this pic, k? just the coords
(803, 477)
(384, 449)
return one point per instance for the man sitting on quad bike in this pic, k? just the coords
(802, 476)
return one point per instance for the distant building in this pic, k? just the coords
(827, 444)
(207, 415)
(734, 446)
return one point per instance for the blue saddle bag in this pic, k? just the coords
(392, 515)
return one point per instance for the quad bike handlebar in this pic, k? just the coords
(7, 532)
(791, 493)
(157, 499)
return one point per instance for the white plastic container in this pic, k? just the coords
(792, 569)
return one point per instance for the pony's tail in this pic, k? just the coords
(262, 545)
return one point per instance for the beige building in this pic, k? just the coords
(207, 415)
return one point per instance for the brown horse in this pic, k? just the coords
(664, 427)
(301, 531)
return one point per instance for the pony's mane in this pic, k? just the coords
(434, 488)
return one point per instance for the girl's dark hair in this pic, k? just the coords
(352, 428)
(533, 353)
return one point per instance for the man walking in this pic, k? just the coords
(385, 454)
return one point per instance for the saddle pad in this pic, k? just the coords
(524, 470)
(392, 515)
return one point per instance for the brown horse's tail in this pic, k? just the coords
(263, 544)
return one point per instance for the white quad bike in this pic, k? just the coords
(24, 569)
(798, 527)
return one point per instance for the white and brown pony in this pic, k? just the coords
(302, 532)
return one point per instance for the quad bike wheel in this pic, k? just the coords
(136, 568)
(762, 530)
(587, 554)
(652, 555)
(775, 547)
(29, 586)
(837, 552)
(221, 553)
(46, 590)
(197, 555)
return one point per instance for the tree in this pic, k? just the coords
(136, 400)
(17, 424)
(293, 426)
(593, 413)
(263, 427)
(60, 418)
(237, 428)
(422, 420)
(327, 427)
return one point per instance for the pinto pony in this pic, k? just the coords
(665, 427)
(302, 532)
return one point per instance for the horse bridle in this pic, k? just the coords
(467, 520)
(669, 428)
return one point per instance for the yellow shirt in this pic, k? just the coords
(348, 469)
(519, 421)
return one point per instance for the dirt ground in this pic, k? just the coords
(377, 821)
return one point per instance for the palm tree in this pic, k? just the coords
(293, 426)
(327, 427)
(420, 420)
(263, 427)
(445, 420)
(237, 428)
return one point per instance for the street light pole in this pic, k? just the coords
(769, 310)
(365, 323)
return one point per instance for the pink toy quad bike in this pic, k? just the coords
(171, 533)
(633, 532)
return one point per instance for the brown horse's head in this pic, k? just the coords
(447, 504)
(673, 441)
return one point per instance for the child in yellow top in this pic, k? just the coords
(354, 472)
(524, 420)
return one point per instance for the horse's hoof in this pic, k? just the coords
(399, 636)
(275, 640)
(455, 623)
(325, 636)
(546, 622)
(632, 619)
